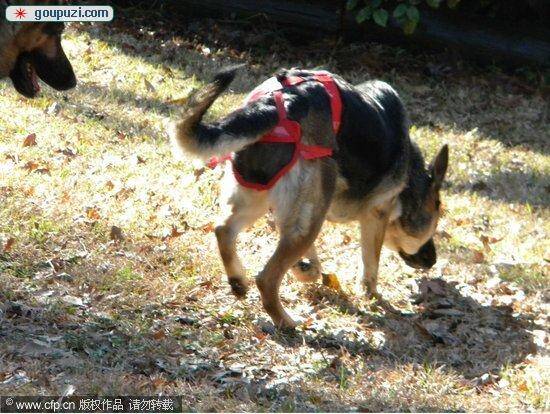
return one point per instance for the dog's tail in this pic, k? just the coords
(230, 134)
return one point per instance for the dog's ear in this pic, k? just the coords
(438, 168)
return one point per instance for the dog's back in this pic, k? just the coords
(373, 146)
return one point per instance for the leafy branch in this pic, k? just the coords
(405, 12)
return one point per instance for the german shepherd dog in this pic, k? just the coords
(376, 175)
(30, 50)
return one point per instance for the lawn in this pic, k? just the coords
(110, 278)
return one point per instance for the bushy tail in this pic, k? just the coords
(230, 134)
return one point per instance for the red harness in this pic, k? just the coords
(288, 131)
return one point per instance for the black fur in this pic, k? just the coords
(372, 145)
(373, 141)
(251, 121)
(413, 217)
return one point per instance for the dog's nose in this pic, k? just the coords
(425, 258)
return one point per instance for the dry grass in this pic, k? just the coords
(149, 312)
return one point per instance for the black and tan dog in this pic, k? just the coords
(376, 175)
(30, 50)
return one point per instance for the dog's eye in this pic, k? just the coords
(437, 204)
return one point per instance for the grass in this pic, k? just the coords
(153, 313)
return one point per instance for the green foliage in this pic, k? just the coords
(405, 12)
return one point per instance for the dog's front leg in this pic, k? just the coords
(373, 227)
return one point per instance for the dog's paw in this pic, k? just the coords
(306, 272)
(287, 325)
(238, 287)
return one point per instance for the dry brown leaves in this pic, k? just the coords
(30, 140)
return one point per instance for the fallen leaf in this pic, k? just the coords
(158, 335)
(30, 140)
(8, 245)
(92, 213)
(487, 241)
(31, 166)
(198, 172)
(260, 335)
(68, 152)
(66, 197)
(522, 386)
(478, 256)
(116, 234)
(73, 300)
(439, 332)
(159, 382)
(208, 228)
(436, 286)
(173, 233)
(330, 280)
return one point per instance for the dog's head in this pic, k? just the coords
(419, 209)
(29, 51)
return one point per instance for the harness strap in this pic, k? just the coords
(280, 104)
(289, 131)
(335, 101)
(310, 152)
(332, 90)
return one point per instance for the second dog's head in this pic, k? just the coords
(29, 51)
(419, 209)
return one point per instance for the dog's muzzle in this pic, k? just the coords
(425, 258)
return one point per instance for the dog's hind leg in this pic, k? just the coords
(245, 206)
(310, 271)
(300, 203)
(294, 242)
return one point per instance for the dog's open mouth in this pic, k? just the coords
(24, 76)
(31, 74)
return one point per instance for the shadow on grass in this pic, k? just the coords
(511, 187)
(449, 331)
